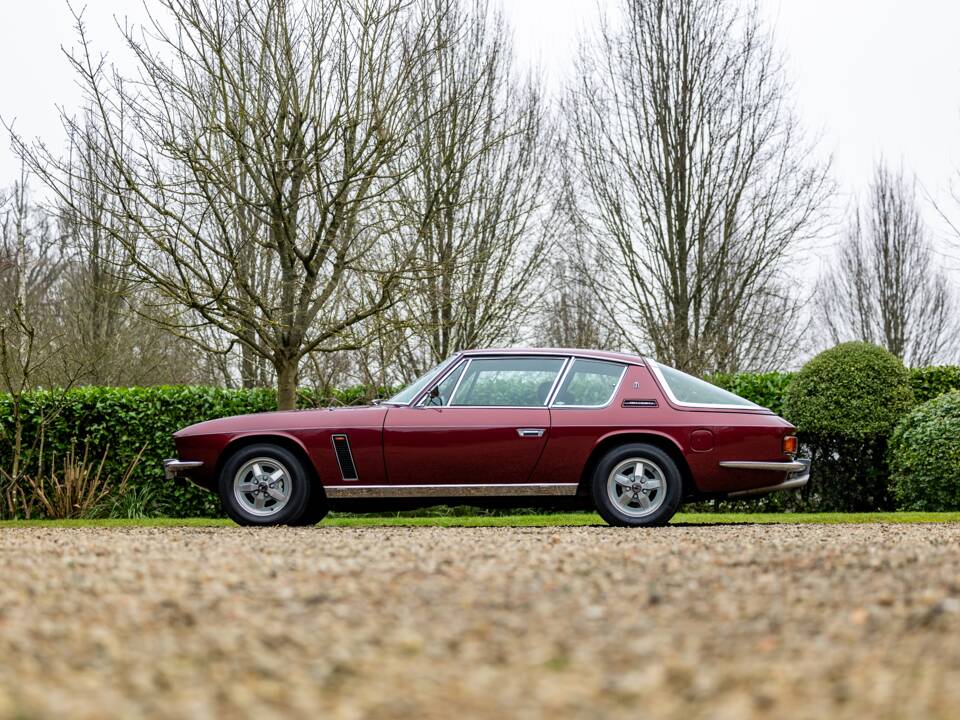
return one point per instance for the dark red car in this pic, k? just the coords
(567, 428)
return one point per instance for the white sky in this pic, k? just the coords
(870, 77)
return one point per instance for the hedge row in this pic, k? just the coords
(121, 421)
(768, 389)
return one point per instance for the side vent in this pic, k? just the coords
(341, 446)
(639, 403)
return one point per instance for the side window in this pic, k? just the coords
(517, 382)
(444, 388)
(694, 391)
(589, 382)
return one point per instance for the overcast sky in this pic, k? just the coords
(870, 77)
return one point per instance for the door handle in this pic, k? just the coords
(530, 432)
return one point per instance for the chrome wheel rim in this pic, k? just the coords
(637, 487)
(262, 486)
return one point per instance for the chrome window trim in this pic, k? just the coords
(665, 387)
(454, 363)
(616, 387)
(439, 380)
(546, 403)
(456, 388)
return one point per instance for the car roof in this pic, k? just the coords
(578, 352)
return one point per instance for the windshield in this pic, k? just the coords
(410, 391)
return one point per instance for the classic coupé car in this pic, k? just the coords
(570, 428)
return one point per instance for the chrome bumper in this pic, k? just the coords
(798, 475)
(172, 466)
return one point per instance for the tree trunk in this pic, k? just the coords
(287, 376)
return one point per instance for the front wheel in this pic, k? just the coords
(264, 484)
(637, 485)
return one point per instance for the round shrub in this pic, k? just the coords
(854, 390)
(925, 456)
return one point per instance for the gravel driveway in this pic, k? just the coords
(788, 621)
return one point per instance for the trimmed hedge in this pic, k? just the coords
(765, 389)
(121, 421)
(925, 456)
(855, 391)
(126, 419)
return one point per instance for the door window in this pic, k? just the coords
(440, 395)
(589, 383)
(512, 382)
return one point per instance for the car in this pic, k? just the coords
(559, 428)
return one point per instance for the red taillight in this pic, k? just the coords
(790, 444)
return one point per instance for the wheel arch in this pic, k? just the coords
(288, 442)
(659, 440)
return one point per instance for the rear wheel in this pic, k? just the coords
(637, 485)
(264, 484)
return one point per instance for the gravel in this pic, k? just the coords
(778, 621)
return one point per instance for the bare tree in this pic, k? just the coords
(31, 261)
(885, 288)
(695, 181)
(476, 206)
(108, 325)
(252, 158)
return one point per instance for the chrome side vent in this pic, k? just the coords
(640, 403)
(341, 446)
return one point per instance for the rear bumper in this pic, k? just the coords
(798, 475)
(173, 467)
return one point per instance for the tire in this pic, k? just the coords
(315, 511)
(622, 501)
(278, 495)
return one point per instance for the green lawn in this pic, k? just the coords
(556, 520)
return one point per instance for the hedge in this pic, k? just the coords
(767, 389)
(925, 456)
(121, 421)
(128, 419)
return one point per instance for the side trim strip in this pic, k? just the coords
(754, 465)
(386, 491)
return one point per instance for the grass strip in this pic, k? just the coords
(526, 520)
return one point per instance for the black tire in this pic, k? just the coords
(315, 511)
(657, 468)
(297, 502)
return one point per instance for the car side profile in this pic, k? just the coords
(562, 428)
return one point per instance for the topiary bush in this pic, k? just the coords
(845, 403)
(854, 390)
(924, 456)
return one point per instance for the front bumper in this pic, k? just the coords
(798, 475)
(173, 467)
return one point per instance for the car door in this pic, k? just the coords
(486, 422)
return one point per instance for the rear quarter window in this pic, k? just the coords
(589, 383)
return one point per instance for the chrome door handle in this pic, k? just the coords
(531, 432)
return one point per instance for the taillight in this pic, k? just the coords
(790, 444)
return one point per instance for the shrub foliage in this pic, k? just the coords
(126, 420)
(855, 390)
(925, 456)
(845, 403)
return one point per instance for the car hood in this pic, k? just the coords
(286, 420)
